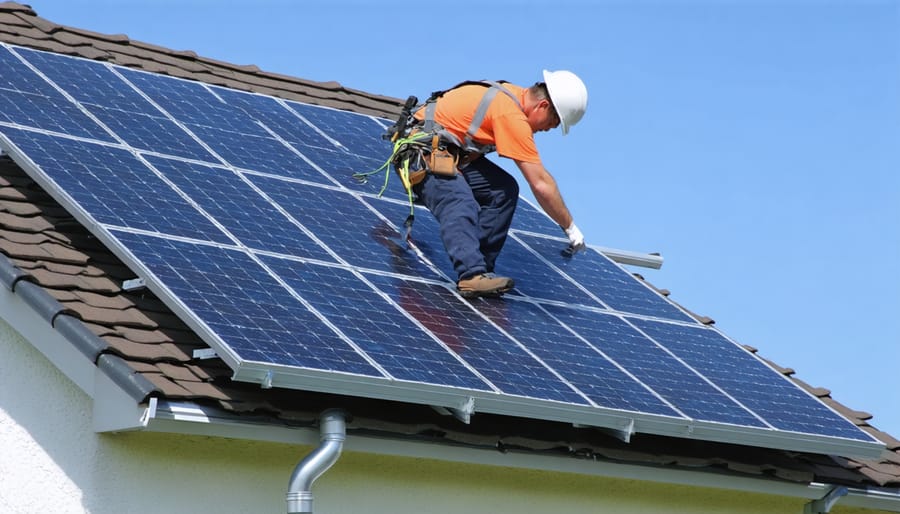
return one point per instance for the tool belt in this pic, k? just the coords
(426, 153)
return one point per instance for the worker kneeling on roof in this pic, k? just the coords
(474, 199)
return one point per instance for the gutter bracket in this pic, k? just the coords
(824, 504)
(462, 412)
(149, 412)
(622, 434)
(465, 410)
(267, 380)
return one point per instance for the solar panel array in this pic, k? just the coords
(239, 211)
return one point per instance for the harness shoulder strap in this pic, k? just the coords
(481, 110)
(492, 88)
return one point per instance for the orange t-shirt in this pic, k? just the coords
(505, 125)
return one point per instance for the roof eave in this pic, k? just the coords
(193, 419)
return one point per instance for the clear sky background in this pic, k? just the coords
(755, 144)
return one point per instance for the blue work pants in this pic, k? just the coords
(474, 209)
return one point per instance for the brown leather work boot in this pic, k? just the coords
(486, 284)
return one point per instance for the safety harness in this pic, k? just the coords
(426, 147)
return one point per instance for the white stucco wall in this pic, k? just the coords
(52, 461)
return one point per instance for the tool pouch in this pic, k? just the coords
(417, 165)
(415, 176)
(442, 160)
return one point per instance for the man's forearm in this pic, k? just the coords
(546, 192)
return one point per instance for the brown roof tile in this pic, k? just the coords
(97, 36)
(32, 224)
(53, 280)
(16, 7)
(143, 335)
(48, 251)
(19, 208)
(24, 32)
(182, 373)
(168, 387)
(130, 317)
(10, 21)
(148, 352)
(101, 300)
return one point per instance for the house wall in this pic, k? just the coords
(52, 461)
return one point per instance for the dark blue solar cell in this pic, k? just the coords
(535, 278)
(282, 121)
(494, 355)
(243, 211)
(341, 166)
(531, 219)
(425, 232)
(90, 82)
(17, 76)
(652, 365)
(113, 186)
(575, 360)
(610, 283)
(358, 133)
(248, 309)
(262, 154)
(346, 226)
(152, 133)
(383, 332)
(57, 115)
(191, 102)
(748, 380)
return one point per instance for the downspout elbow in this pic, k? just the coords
(333, 432)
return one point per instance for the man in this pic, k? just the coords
(475, 206)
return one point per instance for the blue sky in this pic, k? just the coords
(755, 144)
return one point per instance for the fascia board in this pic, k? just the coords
(47, 340)
(113, 407)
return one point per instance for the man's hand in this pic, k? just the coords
(576, 241)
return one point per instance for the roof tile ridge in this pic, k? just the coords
(187, 54)
(28, 15)
(115, 38)
(16, 7)
(247, 68)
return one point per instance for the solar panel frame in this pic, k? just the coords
(466, 401)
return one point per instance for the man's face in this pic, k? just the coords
(543, 117)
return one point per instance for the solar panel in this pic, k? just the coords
(239, 211)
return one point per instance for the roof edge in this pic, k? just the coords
(40, 33)
(193, 419)
(49, 310)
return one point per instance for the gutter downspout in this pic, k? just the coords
(333, 431)
(823, 505)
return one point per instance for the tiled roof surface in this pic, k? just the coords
(19, 25)
(55, 252)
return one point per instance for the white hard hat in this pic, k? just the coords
(569, 96)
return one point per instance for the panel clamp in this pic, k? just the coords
(204, 353)
(134, 284)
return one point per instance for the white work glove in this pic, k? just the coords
(576, 240)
